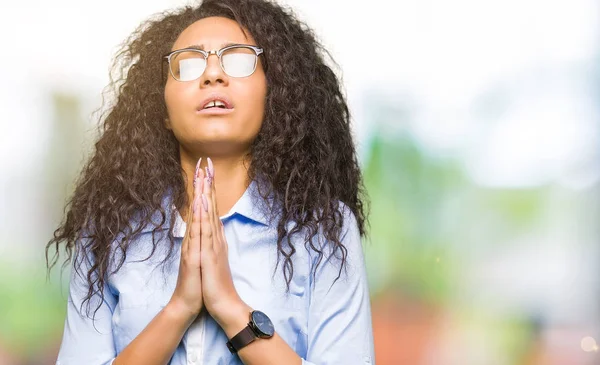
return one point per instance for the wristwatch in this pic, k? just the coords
(260, 326)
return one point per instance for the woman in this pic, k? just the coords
(225, 107)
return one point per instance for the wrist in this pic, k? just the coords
(179, 312)
(234, 318)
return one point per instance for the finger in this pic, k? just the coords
(210, 169)
(207, 231)
(196, 229)
(213, 210)
(185, 243)
(217, 223)
(223, 238)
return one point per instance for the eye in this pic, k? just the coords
(187, 65)
(239, 61)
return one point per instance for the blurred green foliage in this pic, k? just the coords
(408, 238)
(426, 217)
(32, 308)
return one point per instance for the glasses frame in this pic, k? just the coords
(257, 50)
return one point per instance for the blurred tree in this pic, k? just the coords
(409, 229)
(428, 222)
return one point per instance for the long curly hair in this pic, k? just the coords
(304, 150)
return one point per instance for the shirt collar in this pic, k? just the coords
(250, 206)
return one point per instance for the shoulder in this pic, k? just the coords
(340, 241)
(349, 222)
(346, 225)
(338, 257)
(350, 237)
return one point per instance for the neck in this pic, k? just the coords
(231, 179)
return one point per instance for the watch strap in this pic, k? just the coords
(241, 340)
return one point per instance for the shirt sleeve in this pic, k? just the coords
(87, 338)
(339, 325)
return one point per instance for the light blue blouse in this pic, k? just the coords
(326, 323)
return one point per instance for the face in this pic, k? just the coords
(215, 130)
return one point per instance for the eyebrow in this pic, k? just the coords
(201, 46)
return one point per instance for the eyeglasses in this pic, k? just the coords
(237, 60)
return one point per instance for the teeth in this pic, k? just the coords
(214, 103)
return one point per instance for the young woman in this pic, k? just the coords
(219, 220)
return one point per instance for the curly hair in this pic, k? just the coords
(304, 150)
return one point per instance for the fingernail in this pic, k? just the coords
(196, 173)
(198, 166)
(211, 168)
(208, 181)
(204, 203)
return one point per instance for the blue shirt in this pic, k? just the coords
(326, 323)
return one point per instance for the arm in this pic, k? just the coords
(157, 342)
(272, 351)
(88, 338)
(339, 324)
(155, 345)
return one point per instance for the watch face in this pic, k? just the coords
(263, 323)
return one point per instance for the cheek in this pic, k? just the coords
(170, 97)
(175, 97)
(256, 98)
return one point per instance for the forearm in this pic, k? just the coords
(157, 342)
(272, 351)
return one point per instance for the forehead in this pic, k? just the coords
(212, 33)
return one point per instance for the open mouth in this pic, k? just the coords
(216, 104)
(215, 107)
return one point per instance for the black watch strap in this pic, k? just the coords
(242, 339)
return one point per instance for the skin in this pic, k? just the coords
(204, 279)
(225, 138)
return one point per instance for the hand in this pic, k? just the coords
(220, 297)
(187, 296)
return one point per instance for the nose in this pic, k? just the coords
(213, 73)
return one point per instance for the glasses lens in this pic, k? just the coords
(239, 61)
(188, 65)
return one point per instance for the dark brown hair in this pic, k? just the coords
(304, 150)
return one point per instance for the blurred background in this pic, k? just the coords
(478, 130)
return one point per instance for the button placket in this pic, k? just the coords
(195, 342)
